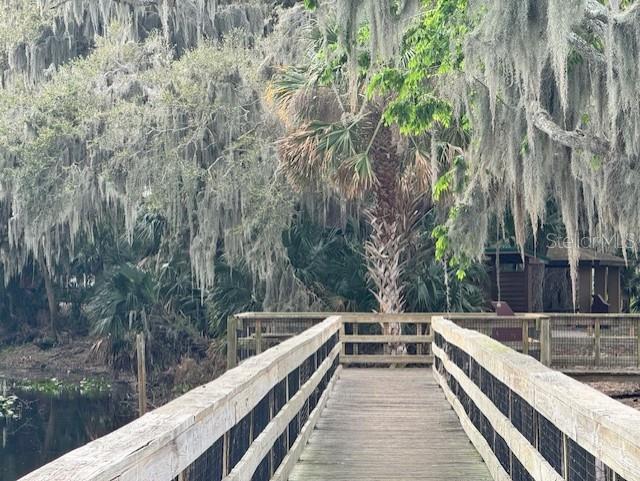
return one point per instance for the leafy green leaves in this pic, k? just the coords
(311, 4)
(431, 50)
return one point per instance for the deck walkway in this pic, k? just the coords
(389, 425)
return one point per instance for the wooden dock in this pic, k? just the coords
(389, 425)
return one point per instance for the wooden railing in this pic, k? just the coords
(251, 333)
(595, 342)
(576, 343)
(249, 424)
(365, 339)
(529, 422)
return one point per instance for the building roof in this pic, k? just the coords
(560, 256)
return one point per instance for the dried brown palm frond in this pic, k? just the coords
(356, 176)
(297, 97)
(330, 152)
(301, 159)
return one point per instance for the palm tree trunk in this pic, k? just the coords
(387, 244)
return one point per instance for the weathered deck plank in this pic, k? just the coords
(389, 425)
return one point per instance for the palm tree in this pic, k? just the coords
(348, 147)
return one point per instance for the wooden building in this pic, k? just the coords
(535, 283)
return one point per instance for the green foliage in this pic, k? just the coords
(122, 301)
(234, 292)
(21, 21)
(9, 407)
(427, 290)
(311, 4)
(54, 387)
(431, 50)
(331, 263)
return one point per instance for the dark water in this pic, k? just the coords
(51, 425)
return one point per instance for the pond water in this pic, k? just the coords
(49, 419)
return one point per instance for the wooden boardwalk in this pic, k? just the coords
(389, 425)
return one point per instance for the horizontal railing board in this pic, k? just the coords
(385, 339)
(528, 455)
(385, 359)
(285, 315)
(495, 468)
(386, 319)
(603, 426)
(290, 460)
(262, 445)
(161, 444)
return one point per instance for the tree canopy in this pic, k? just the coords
(405, 126)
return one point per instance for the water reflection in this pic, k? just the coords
(52, 424)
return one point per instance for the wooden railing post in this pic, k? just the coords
(258, 336)
(142, 374)
(545, 341)
(356, 331)
(232, 342)
(565, 456)
(343, 344)
(597, 343)
(525, 336)
(637, 333)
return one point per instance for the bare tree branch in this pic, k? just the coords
(574, 139)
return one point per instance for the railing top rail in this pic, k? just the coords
(605, 427)
(587, 315)
(151, 441)
(455, 315)
(284, 315)
(373, 316)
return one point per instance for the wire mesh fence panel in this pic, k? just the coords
(239, 440)
(522, 334)
(619, 342)
(591, 342)
(518, 471)
(208, 467)
(261, 415)
(568, 458)
(523, 418)
(573, 342)
(503, 453)
(582, 464)
(279, 450)
(270, 332)
(263, 473)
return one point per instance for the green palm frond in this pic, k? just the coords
(335, 151)
(357, 176)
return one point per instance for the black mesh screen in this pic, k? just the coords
(208, 467)
(503, 453)
(518, 472)
(294, 382)
(239, 440)
(538, 430)
(523, 418)
(261, 415)
(279, 450)
(582, 464)
(550, 443)
(263, 472)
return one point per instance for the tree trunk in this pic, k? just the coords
(51, 296)
(387, 244)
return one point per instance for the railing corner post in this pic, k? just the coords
(341, 339)
(232, 342)
(545, 341)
